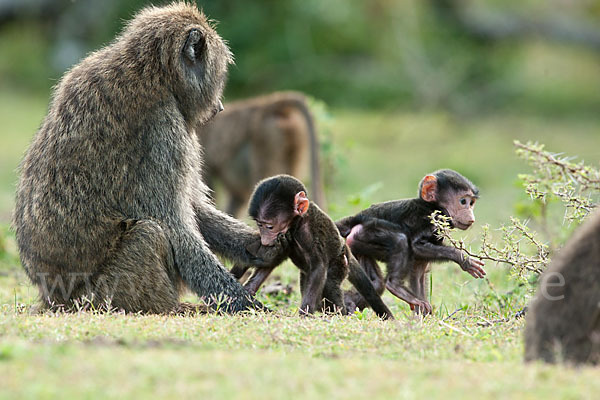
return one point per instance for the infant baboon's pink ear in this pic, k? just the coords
(429, 188)
(301, 203)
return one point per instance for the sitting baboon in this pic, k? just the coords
(110, 204)
(260, 137)
(563, 320)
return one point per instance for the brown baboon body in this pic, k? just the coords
(563, 321)
(110, 205)
(260, 137)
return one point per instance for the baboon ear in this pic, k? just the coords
(429, 188)
(300, 203)
(194, 45)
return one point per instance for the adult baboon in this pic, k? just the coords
(260, 137)
(110, 204)
(563, 321)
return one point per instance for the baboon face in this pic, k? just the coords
(192, 58)
(204, 58)
(453, 192)
(459, 205)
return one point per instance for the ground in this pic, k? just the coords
(470, 348)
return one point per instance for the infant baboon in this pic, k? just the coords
(110, 204)
(563, 321)
(280, 207)
(260, 137)
(400, 233)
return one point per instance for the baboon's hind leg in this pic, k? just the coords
(235, 207)
(355, 300)
(141, 275)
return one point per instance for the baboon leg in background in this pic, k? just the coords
(279, 146)
(235, 206)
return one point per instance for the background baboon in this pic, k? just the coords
(400, 233)
(110, 204)
(260, 137)
(563, 320)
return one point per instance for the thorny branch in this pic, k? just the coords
(517, 245)
(554, 176)
(575, 184)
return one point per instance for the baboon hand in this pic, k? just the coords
(473, 267)
(254, 248)
(422, 307)
(267, 256)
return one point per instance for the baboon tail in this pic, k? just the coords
(315, 165)
(298, 100)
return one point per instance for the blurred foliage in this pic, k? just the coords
(21, 68)
(557, 177)
(376, 53)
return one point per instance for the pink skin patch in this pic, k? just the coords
(356, 229)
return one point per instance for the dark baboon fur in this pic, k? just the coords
(563, 320)
(110, 204)
(400, 233)
(260, 137)
(280, 206)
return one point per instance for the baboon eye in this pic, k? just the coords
(270, 227)
(472, 202)
(463, 201)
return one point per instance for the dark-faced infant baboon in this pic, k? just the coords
(260, 137)
(280, 206)
(110, 204)
(563, 320)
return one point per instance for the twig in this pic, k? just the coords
(455, 329)
(510, 254)
(454, 312)
(487, 322)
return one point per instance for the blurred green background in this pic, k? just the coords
(464, 56)
(410, 86)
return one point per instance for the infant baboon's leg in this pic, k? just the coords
(418, 278)
(140, 275)
(352, 298)
(333, 298)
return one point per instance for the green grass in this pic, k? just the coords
(274, 356)
(475, 353)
